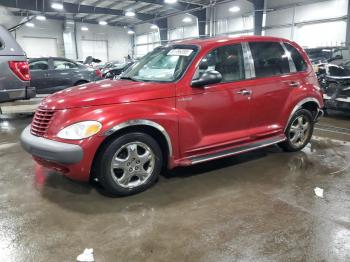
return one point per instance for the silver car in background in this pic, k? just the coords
(14, 70)
(52, 74)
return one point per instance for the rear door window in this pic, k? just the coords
(227, 60)
(39, 65)
(298, 60)
(63, 65)
(269, 59)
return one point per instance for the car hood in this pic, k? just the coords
(108, 92)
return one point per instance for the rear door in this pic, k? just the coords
(39, 69)
(274, 80)
(62, 74)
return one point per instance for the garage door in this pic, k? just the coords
(39, 47)
(96, 49)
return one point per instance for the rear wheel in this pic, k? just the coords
(299, 131)
(129, 164)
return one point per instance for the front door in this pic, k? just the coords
(216, 116)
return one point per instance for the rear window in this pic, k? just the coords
(269, 59)
(299, 61)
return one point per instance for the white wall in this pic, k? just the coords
(51, 29)
(310, 28)
(118, 41)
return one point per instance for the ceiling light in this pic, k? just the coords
(130, 13)
(84, 28)
(170, 1)
(235, 9)
(41, 17)
(154, 27)
(131, 32)
(103, 23)
(187, 19)
(30, 24)
(57, 6)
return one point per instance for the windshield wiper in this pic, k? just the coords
(129, 78)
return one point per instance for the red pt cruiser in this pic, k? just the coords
(180, 105)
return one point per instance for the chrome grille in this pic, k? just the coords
(41, 121)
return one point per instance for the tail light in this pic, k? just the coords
(21, 69)
(98, 72)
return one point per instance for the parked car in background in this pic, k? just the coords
(52, 74)
(180, 105)
(112, 71)
(14, 70)
(321, 55)
(335, 82)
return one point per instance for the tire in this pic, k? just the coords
(298, 132)
(133, 170)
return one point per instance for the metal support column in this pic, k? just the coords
(348, 27)
(202, 21)
(163, 30)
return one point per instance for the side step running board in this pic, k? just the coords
(238, 150)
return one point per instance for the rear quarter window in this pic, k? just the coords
(298, 60)
(269, 59)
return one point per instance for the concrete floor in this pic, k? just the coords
(259, 206)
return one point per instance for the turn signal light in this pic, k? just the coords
(21, 69)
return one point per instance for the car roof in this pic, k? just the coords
(51, 57)
(208, 42)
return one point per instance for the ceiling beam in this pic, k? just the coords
(69, 8)
(180, 6)
(78, 20)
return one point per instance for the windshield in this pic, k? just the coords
(164, 64)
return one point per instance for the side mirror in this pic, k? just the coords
(208, 78)
(203, 65)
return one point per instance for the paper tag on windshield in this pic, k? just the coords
(180, 52)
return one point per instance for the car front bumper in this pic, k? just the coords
(49, 150)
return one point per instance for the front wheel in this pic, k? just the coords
(299, 131)
(129, 164)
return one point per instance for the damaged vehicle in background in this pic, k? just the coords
(335, 82)
(322, 55)
(114, 70)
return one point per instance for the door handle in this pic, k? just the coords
(294, 84)
(244, 92)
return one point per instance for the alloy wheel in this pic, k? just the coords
(299, 131)
(133, 164)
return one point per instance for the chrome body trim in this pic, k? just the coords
(239, 150)
(248, 61)
(299, 105)
(292, 67)
(139, 122)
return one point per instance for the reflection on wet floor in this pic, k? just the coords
(258, 206)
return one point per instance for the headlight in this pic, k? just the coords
(80, 130)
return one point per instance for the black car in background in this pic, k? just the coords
(113, 70)
(52, 74)
(322, 55)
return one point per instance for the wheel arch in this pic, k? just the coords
(309, 103)
(148, 127)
